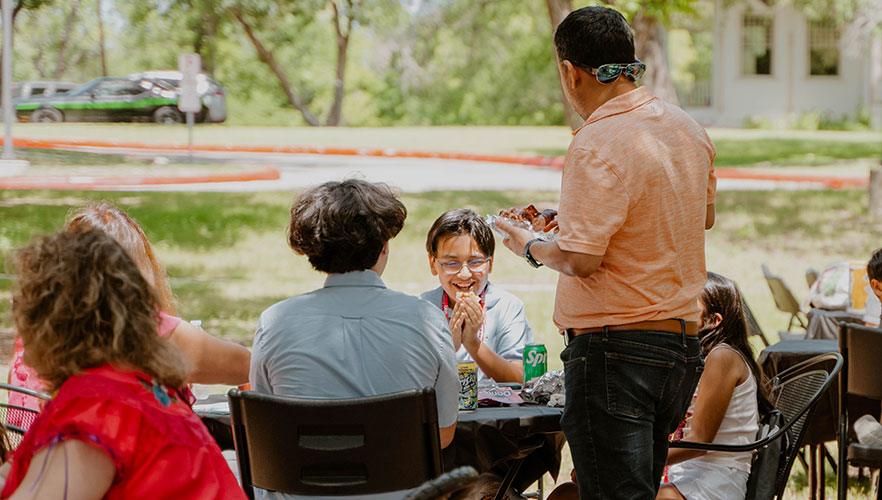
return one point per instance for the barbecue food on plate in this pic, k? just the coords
(530, 217)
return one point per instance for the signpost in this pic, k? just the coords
(189, 100)
(8, 113)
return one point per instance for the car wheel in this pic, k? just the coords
(47, 115)
(167, 115)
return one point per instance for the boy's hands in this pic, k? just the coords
(466, 321)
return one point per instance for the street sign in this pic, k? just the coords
(189, 100)
(190, 65)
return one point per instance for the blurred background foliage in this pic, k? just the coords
(404, 62)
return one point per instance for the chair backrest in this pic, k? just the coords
(796, 392)
(861, 347)
(753, 327)
(783, 297)
(811, 275)
(18, 419)
(321, 447)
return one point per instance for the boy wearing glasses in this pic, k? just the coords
(488, 324)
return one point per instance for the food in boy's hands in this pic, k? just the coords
(530, 216)
(464, 295)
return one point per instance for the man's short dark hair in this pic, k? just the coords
(593, 36)
(461, 221)
(342, 226)
(874, 266)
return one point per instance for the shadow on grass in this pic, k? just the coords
(190, 221)
(53, 157)
(805, 219)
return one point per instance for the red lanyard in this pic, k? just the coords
(445, 306)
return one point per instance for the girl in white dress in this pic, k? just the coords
(726, 406)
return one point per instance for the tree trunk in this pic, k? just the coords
(61, 63)
(101, 52)
(649, 44)
(270, 60)
(557, 11)
(336, 111)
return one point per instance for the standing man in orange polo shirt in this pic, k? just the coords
(637, 195)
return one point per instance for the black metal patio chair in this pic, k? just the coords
(794, 393)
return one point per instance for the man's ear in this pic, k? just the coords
(569, 75)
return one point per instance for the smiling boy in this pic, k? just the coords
(488, 324)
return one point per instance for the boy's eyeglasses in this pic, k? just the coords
(475, 266)
(608, 73)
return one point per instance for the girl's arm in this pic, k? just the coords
(73, 470)
(723, 370)
(214, 361)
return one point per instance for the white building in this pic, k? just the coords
(772, 63)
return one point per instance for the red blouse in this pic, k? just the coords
(160, 448)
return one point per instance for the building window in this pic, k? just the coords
(756, 45)
(823, 48)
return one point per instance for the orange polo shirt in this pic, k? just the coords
(636, 183)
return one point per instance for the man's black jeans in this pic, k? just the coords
(626, 392)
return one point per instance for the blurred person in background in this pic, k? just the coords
(118, 425)
(212, 360)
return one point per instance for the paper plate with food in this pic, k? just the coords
(543, 223)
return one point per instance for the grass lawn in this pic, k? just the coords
(228, 257)
(735, 147)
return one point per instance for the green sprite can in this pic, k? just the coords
(535, 361)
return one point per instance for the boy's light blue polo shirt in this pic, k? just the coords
(353, 338)
(506, 330)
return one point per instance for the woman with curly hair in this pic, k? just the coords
(213, 361)
(118, 425)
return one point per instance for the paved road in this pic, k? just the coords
(412, 175)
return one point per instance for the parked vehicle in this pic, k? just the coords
(214, 100)
(105, 99)
(39, 87)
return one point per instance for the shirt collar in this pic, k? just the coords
(620, 104)
(365, 278)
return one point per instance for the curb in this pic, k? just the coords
(538, 161)
(94, 183)
(554, 162)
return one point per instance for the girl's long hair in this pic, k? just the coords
(721, 295)
(123, 228)
(80, 302)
